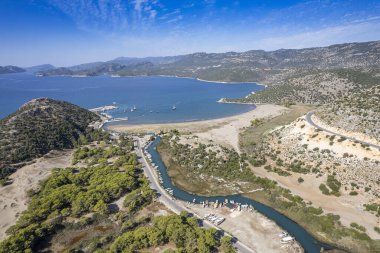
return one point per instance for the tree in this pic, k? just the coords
(226, 244)
(101, 207)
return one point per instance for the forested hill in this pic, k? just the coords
(38, 127)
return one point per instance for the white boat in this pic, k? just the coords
(173, 107)
(287, 239)
(134, 108)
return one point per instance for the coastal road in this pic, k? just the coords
(312, 123)
(168, 201)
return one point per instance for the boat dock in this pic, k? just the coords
(104, 108)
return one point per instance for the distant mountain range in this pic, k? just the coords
(34, 69)
(254, 65)
(38, 68)
(11, 69)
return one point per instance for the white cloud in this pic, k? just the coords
(95, 16)
(139, 6)
(153, 14)
(364, 31)
(108, 16)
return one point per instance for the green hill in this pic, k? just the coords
(38, 127)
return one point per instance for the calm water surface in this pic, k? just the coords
(153, 97)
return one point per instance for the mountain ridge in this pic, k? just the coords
(252, 65)
(11, 69)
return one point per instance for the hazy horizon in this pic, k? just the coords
(69, 33)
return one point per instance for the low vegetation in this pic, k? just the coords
(333, 186)
(373, 208)
(213, 164)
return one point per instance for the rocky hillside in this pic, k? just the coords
(10, 69)
(349, 98)
(37, 127)
(316, 86)
(355, 113)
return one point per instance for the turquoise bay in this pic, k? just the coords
(154, 97)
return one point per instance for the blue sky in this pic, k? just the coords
(68, 32)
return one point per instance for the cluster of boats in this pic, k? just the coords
(217, 220)
(134, 108)
(286, 238)
(230, 204)
(149, 156)
(104, 109)
(158, 172)
(169, 190)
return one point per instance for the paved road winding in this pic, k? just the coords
(311, 122)
(167, 200)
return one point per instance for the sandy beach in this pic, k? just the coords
(224, 131)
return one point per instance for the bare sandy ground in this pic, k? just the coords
(350, 208)
(224, 131)
(252, 228)
(13, 198)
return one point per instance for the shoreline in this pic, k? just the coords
(194, 120)
(172, 76)
(223, 131)
(223, 101)
(261, 110)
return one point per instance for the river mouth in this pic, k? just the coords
(305, 239)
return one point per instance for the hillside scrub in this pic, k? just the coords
(40, 126)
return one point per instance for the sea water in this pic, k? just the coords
(154, 97)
